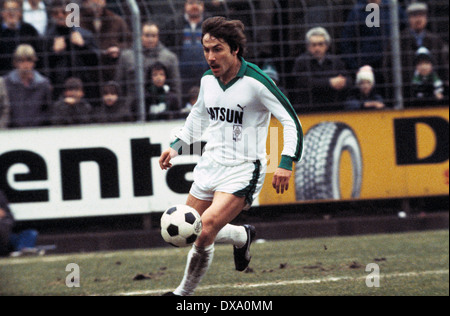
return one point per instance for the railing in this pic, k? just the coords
(276, 36)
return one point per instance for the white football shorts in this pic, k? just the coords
(243, 180)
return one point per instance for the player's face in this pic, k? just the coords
(220, 58)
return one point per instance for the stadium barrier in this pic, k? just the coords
(113, 169)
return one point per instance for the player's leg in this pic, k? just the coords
(199, 205)
(224, 208)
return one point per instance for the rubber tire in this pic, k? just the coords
(317, 175)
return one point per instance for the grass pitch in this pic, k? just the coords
(409, 263)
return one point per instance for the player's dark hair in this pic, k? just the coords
(231, 31)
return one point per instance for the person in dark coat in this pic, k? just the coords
(6, 225)
(71, 52)
(13, 32)
(417, 36)
(321, 79)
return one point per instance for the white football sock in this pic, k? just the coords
(234, 235)
(198, 262)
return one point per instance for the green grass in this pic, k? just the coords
(410, 264)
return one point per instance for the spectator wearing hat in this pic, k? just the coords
(427, 87)
(417, 36)
(364, 96)
(29, 92)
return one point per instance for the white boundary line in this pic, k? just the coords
(292, 282)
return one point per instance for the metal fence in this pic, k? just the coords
(111, 54)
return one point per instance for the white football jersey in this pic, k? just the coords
(236, 118)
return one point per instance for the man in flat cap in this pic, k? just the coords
(417, 36)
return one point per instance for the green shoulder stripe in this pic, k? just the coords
(255, 72)
(208, 73)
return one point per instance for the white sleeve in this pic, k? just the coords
(196, 122)
(277, 103)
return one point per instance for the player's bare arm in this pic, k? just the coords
(166, 157)
(281, 179)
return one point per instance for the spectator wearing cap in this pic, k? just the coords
(29, 92)
(417, 36)
(364, 96)
(427, 87)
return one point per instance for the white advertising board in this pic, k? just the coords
(95, 170)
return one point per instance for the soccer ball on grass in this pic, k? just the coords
(181, 225)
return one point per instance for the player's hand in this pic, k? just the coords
(281, 179)
(166, 156)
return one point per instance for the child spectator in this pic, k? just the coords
(159, 98)
(72, 108)
(364, 96)
(113, 106)
(426, 84)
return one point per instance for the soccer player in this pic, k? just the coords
(235, 102)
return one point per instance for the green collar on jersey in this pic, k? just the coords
(239, 75)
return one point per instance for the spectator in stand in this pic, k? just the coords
(270, 70)
(113, 107)
(35, 13)
(321, 80)
(192, 99)
(13, 32)
(12, 243)
(71, 52)
(153, 51)
(6, 225)
(160, 101)
(30, 93)
(364, 96)
(427, 87)
(72, 108)
(111, 33)
(4, 105)
(183, 36)
(364, 45)
(417, 36)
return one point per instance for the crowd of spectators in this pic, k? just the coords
(55, 72)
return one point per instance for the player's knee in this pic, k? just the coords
(208, 235)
